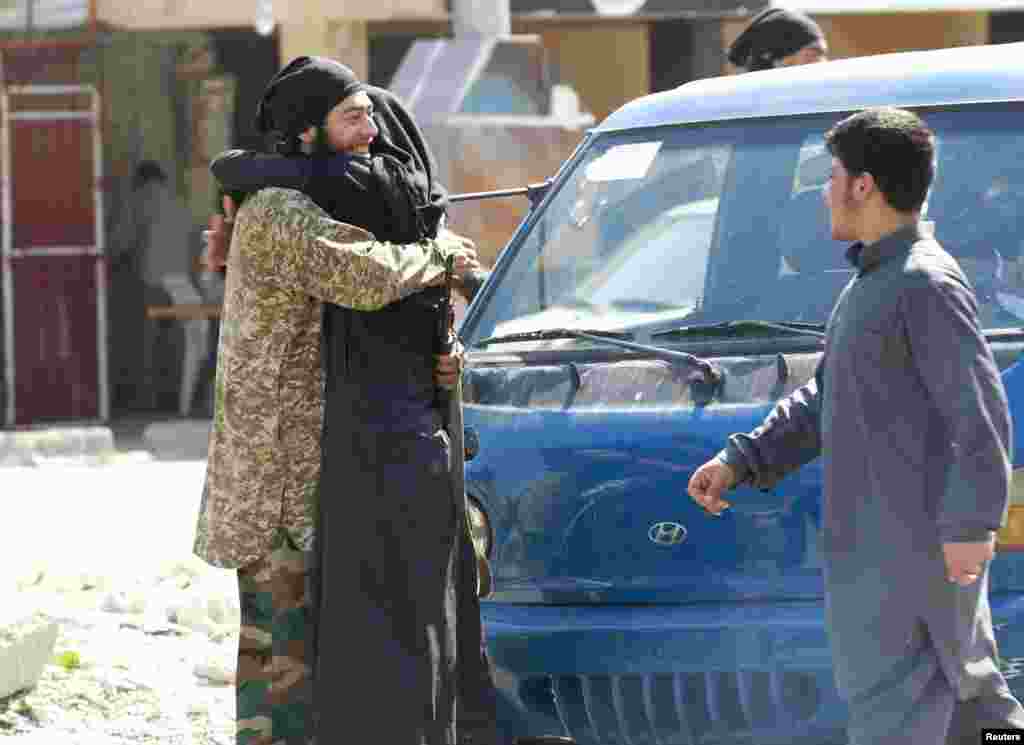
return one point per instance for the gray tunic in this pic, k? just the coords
(156, 223)
(908, 411)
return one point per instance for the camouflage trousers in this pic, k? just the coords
(275, 676)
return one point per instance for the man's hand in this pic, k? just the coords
(709, 482)
(464, 251)
(466, 264)
(217, 239)
(463, 248)
(965, 562)
(448, 367)
(458, 243)
(469, 274)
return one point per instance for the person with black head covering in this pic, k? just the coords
(391, 531)
(399, 138)
(777, 37)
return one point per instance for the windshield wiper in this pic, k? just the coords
(712, 374)
(559, 333)
(733, 327)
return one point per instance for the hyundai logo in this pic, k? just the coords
(667, 534)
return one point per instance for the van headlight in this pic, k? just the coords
(1011, 536)
(479, 527)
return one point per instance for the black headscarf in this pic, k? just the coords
(302, 94)
(773, 34)
(399, 129)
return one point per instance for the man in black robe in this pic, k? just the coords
(909, 414)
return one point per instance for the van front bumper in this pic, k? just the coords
(665, 675)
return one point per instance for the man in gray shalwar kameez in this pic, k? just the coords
(909, 414)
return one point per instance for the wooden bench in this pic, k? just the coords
(185, 312)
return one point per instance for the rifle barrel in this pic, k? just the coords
(468, 196)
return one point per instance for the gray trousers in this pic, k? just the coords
(917, 704)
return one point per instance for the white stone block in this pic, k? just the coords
(224, 632)
(193, 615)
(217, 607)
(215, 671)
(26, 646)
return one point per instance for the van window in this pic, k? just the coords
(695, 224)
(628, 237)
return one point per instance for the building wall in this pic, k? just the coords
(683, 50)
(251, 60)
(858, 35)
(145, 106)
(181, 14)
(345, 41)
(1005, 28)
(137, 74)
(603, 81)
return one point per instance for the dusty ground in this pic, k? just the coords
(151, 631)
(129, 678)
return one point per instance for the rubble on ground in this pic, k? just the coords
(122, 660)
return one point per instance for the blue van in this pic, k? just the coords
(671, 285)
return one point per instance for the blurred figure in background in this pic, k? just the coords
(777, 37)
(156, 229)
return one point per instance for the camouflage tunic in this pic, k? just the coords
(287, 257)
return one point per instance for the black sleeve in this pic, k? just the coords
(245, 170)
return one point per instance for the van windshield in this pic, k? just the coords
(683, 225)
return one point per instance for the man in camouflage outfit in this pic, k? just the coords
(258, 509)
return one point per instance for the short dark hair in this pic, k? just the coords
(149, 170)
(894, 146)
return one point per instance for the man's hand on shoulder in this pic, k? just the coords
(217, 239)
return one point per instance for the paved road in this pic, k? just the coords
(119, 519)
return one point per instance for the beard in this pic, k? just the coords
(321, 145)
(841, 217)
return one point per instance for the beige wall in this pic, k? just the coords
(345, 41)
(168, 14)
(860, 35)
(607, 65)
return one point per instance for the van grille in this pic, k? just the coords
(682, 708)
